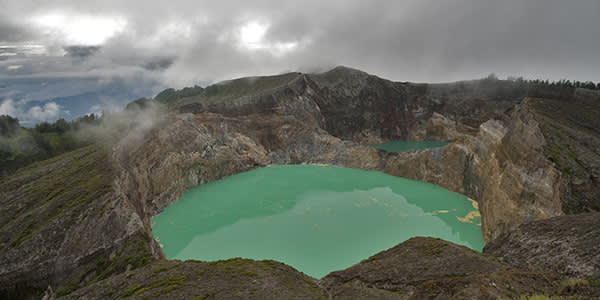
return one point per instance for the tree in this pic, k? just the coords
(44, 127)
(61, 125)
(8, 125)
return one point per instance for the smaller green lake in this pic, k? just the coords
(317, 219)
(403, 146)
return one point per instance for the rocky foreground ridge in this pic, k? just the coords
(78, 225)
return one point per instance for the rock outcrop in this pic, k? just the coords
(502, 167)
(566, 244)
(426, 268)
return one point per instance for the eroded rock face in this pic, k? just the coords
(502, 167)
(566, 244)
(193, 149)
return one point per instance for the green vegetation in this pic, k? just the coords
(25, 234)
(160, 270)
(535, 88)
(205, 296)
(170, 95)
(167, 285)
(536, 297)
(435, 249)
(67, 288)
(564, 83)
(21, 146)
(66, 183)
(133, 253)
(572, 285)
(8, 125)
(54, 194)
(570, 129)
(224, 90)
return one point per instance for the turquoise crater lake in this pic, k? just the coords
(317, 219)
(403, 146)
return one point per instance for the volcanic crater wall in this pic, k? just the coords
(495, 156)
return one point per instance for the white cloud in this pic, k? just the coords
(14, 67)
(252, 34)
(80, 29)
(252, 37)
(50, 111)
(35, 114)
(8, 108)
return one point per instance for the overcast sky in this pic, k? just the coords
(181, 43)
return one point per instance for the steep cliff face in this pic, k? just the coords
(192, 149)
(355, 104)
(502, 167)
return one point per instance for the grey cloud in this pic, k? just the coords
(81, 51)
(411, 40)
(12, 31)
(159, 63)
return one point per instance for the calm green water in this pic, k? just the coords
(403, 146)
(317, 219)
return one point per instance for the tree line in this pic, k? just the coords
(20, 146)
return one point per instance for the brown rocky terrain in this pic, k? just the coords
(426, 268)
(566, 244)
(80, 222)
(420, 268)
(229, 279)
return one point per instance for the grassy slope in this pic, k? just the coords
(50, 189)
(44, 203)
(227, 279)
(29, 146)
(228, 90)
